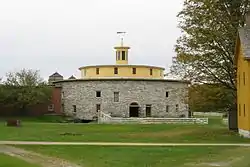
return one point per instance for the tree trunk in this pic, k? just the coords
(233, 119)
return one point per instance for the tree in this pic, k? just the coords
(205, 51)
(24, 78)
(2, 92)
(26, 88)
(209, 98)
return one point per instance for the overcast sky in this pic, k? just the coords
(63, 35)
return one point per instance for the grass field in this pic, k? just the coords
(127, 156)
(8, 161)
(102, 156)
(215, 132)
(42, 118)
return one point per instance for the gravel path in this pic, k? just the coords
(35, 158)
(119, 143)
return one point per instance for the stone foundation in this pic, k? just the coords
(244, 133)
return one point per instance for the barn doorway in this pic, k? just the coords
(134, 110)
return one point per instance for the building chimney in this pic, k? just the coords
(247, 19)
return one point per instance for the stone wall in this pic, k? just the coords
(83, 95)
(215, 114)
(244, 133)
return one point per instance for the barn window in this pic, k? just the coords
(51, 107)
(244, 78)
(134, 70)
(239, 80)
(115, 70)
(151, 71)
(98, 93)
(148, 110)
(176, 107)
(244, 110)
(239, 110)
(116, 96)
(74, 108)
(167, 108)
(97, 71)
(98, 107)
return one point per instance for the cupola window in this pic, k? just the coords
(123, 55)
(118, 55)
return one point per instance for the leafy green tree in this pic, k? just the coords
(205, 51)
(26, 88)
(2, 92)
(209, 98)
(24, 77)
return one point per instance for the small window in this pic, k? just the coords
(74, 108)
(97, 71)
(51, 107)
(177, 108)
(151, 71)
(116, 96)
(118, 55)
(115, 70)
(239, 110)
(167, 108)
(244, 110)
(166, 94)
(244, 79)
(123, 55)
(98, 107)
(148, 110)
(85, 71)
(134, 70)
(98, 93)
(239, 80)
(62, 95)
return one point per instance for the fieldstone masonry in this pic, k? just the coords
(82, 94)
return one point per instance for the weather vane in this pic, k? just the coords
(121, 36)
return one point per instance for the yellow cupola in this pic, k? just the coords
(122, 52)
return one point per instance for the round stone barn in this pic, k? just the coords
(123, 90)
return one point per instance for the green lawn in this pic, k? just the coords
(8, 161)
(109, 156)
(43, 118)
(105, 156)
(215, 132)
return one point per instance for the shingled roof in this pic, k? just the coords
(244, 35)
(72, 77)
(244, 39)
(56, 74)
